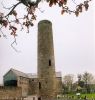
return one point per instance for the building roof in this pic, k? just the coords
(58, 74)
(29, 75)
(19, 73)
(34, 75)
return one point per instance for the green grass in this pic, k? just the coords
(72, 96)
(92, 95)
(89, 96)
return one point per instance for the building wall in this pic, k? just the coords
(33, 86)
(9, 78)
(32, 97)
(23, 82)
(10, 92)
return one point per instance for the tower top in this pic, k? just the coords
(45, 21)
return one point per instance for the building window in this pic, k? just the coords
(39, 85)
(49, 62)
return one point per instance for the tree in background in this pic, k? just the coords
(80, 83)
(88, 80)
(68, 82)
(85, 83)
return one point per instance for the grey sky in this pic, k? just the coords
(74, 43)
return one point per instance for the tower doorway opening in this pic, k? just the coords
(39, 98)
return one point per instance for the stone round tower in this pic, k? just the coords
(46, 62)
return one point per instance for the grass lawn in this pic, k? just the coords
(89, 96)
(92, 95)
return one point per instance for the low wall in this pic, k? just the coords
(31, 97)
(10, 93)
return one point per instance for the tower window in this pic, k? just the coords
(39, 85)
(49, 62)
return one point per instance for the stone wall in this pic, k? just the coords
(23, 82)
(33, 86)
(10, 93)
(46, 61)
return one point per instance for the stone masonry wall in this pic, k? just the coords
(33, 86)
(24, 84)
(9, 92)
(46, 61)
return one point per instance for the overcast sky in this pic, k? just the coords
(74, 43)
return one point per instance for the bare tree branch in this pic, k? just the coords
(12, 45)
(30, 16)
(13, 8)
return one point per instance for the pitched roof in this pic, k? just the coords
(29, 75)
(19, 73)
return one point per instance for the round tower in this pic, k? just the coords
(46, 62)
